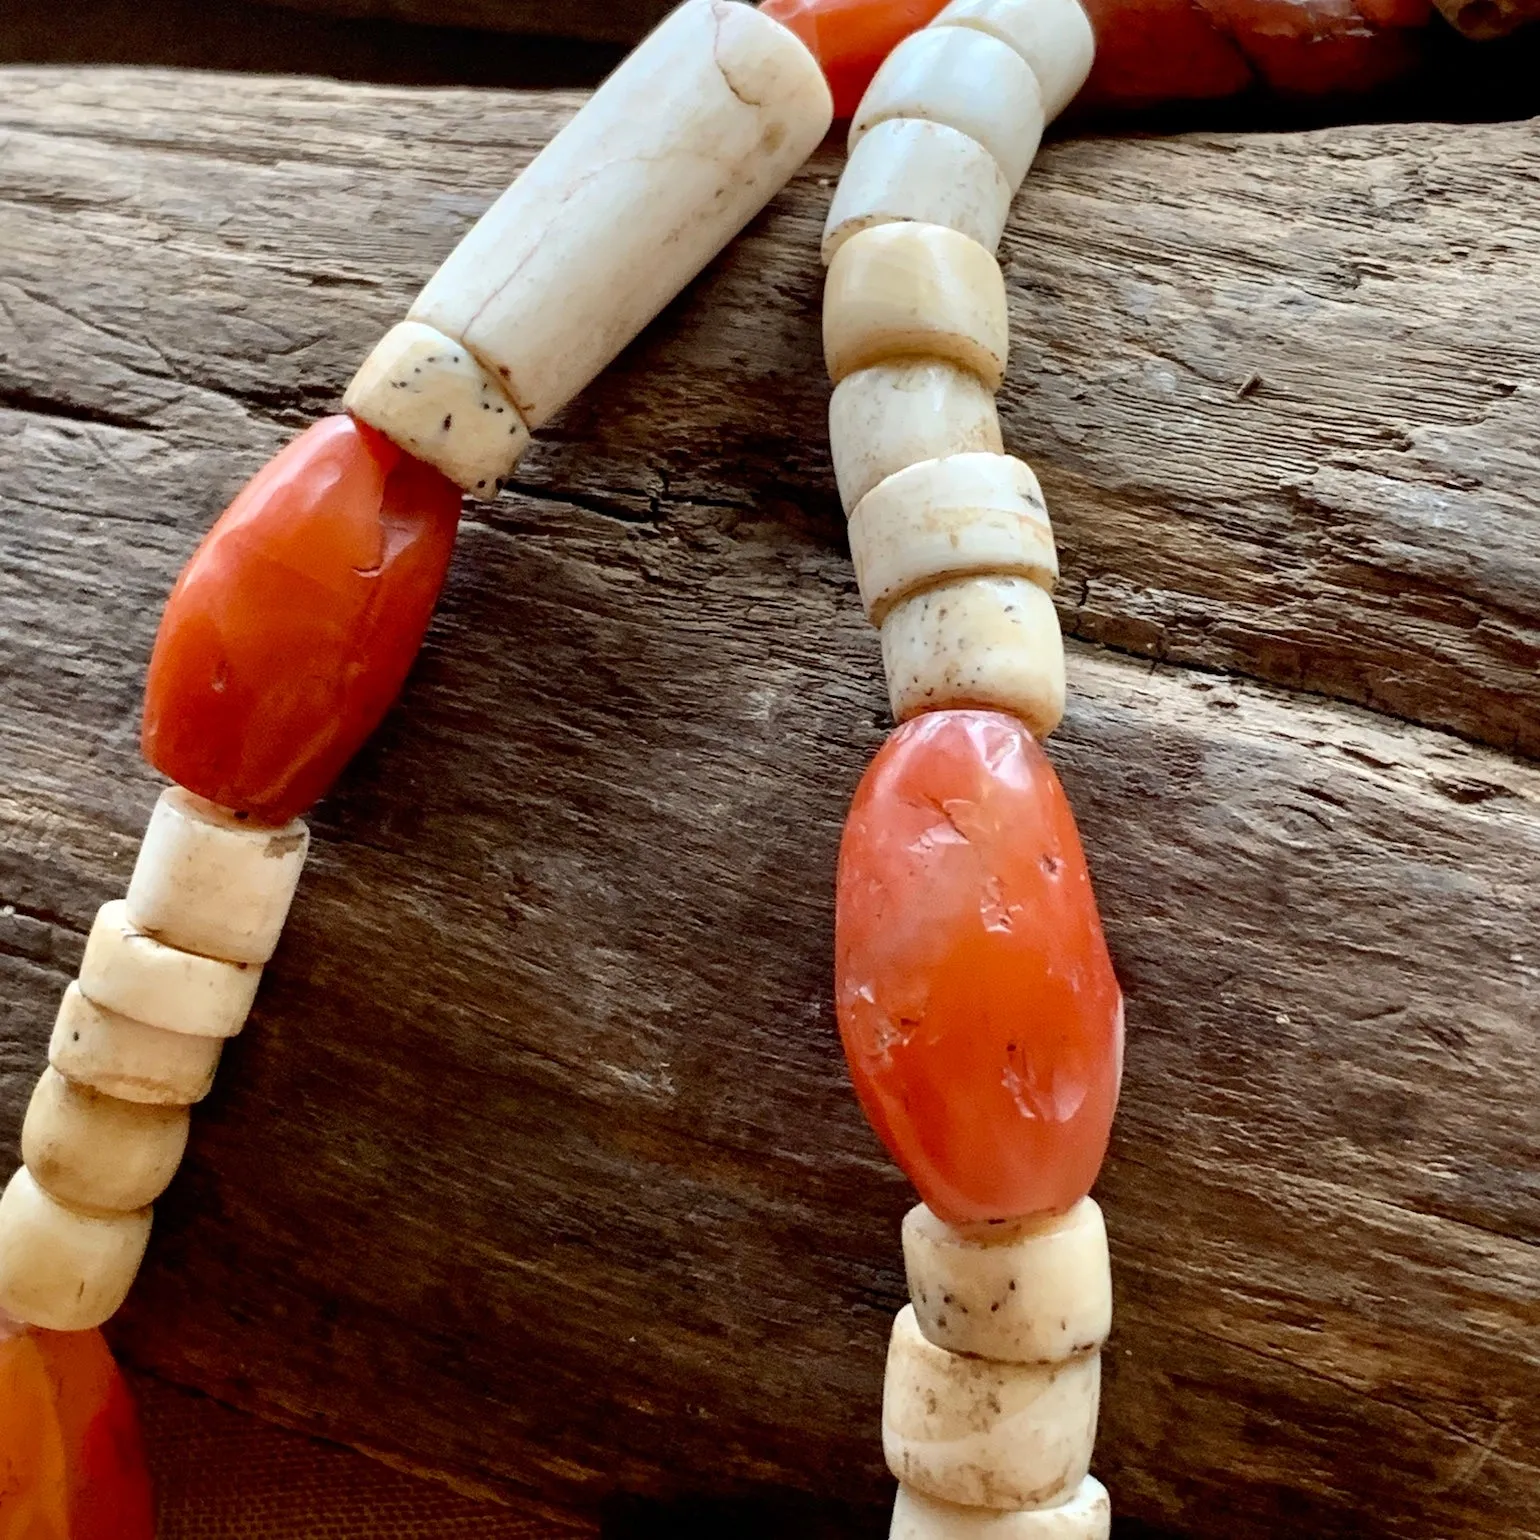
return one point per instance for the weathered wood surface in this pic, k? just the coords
(538, 1165)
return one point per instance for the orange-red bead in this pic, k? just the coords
(292, 628)
(71, 1458)
(977, 1003)
(850, 38)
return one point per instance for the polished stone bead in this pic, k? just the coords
(291, 630)
(980, 1015)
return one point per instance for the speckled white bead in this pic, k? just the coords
(912, 290)
(950, 518)
(982, 1434)
(124, 1058)
(97, 1152)
(209, 882)
(135, 975)
(907, 168)
(425, 392)
(892, 415)
(1053, 36)
(62, 1269)
(968, 80)
(990, 642)
(1025, 1291)
(1086, 1516)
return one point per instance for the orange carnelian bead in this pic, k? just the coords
(850, 38)
(292, 628)
(977, 1002)
(71, 1459)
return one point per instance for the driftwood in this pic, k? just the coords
(537, 1165)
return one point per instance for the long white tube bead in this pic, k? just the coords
(60, 1268)
(671, 157)
(896, 414)
(908, 168)
(956, 517)
(983, 1434)
(968, 80)
(1086, 1516)
(1054, 37)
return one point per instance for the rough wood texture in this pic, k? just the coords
(537, 1164)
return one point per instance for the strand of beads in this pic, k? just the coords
(287, 637)
(980, 1015)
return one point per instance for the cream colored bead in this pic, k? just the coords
(425, 392)
(1086, 1516)
(135, 975)
(210, 883)
(913, 290)
(59, 1268)
(984, 641)
(982, 1434)
(892, 415)
(1030, 1291)
(957, 517)
(124, 1058)
(695, 132)
(96, 1152)
(1053, 36)
(968, 80)
(910, 169)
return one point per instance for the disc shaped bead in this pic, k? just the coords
(850, 38)
(1053, 36)
(968, 80)
(61, 1268)
(291, 629)
(1086, 1516)
(976, 999)
(99, 1152)
(124, 1058)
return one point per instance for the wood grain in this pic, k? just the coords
(538, 1166)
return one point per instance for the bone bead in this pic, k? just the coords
(1086, 1516)
(968, 80)
(911, 169)
(669, 159)
(96, 1152)
(956, 517)
(1053, 36)
(426, 393)
(913, 290)
(210, 883)
(124, 1058)
(982, 1434)
(135, 975)
(62, 1269)
(892, 415)
(1030, 1291)
(992, 642)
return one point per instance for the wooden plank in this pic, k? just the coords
(538, 1165)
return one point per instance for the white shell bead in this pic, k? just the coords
(1086, 1516)
(124, 1058)
(1053, 36)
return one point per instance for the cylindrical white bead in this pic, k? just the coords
(907, 168)
(957, 517)
(1053, 36)
(425, 392)
(135, 975)
(124, 1058)
(892, 415)
(1028, 1291)
(913, 290)
(968, 80)
(210, 883)
(97, 1152)
(681, 146)
(1086, 1516)
(62, 1269)
(982, 1434)
(991, 642)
